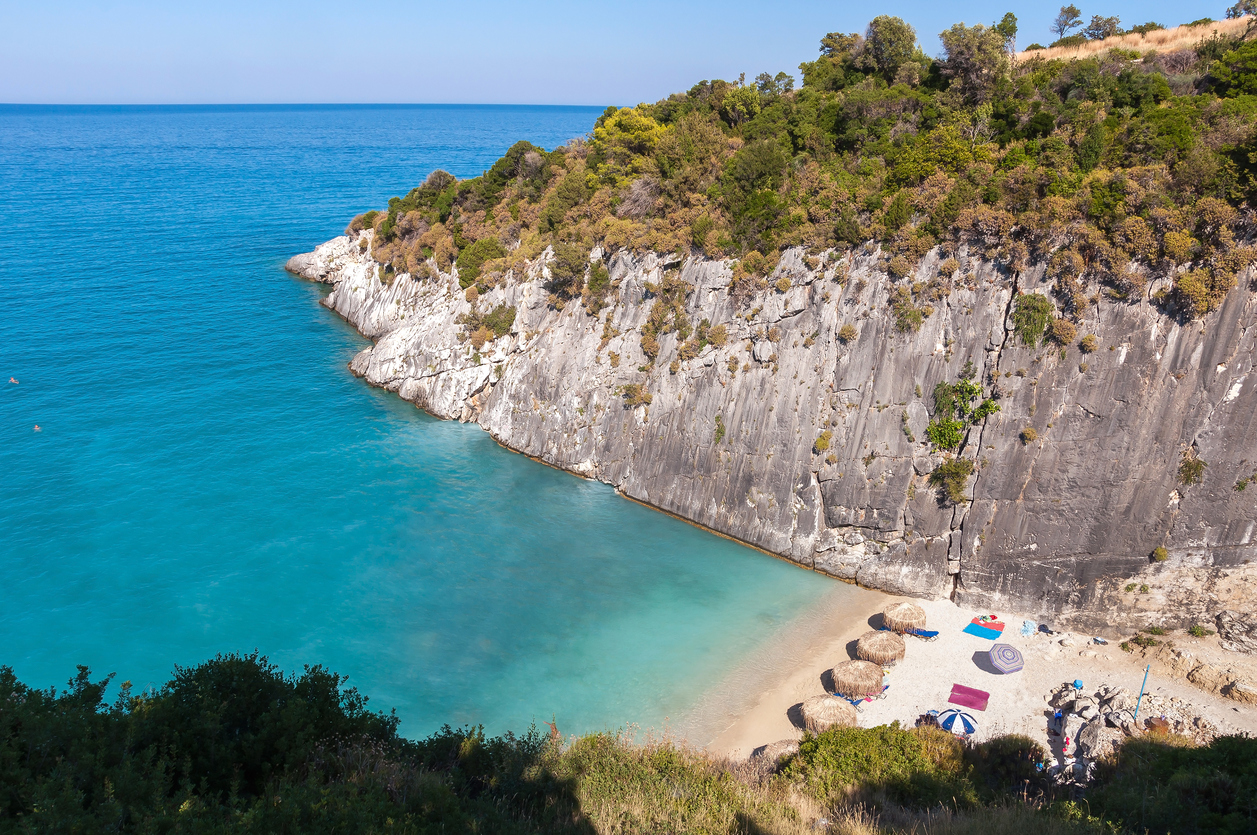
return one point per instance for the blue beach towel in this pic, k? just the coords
(983, 632)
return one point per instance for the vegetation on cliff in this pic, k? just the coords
(1115, 170)
(235, 745)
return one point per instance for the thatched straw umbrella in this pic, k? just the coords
(903, 616)
(823, 712)
(880, 647)
(857, 679)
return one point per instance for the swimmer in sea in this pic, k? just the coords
(11, 380)
(37, 429)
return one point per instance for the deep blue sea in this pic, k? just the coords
(209, 477)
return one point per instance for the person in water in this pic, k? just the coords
(37, 429)
(11, 380)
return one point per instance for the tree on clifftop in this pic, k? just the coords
(888, 43)
(1007, 29)
(1070, 18)
(975, 59)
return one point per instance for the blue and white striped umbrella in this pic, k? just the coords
(949, 719)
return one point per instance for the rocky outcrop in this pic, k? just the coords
(1238, 631)
(1062, 527)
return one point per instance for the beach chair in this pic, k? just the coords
(855, 703)
(923, 634)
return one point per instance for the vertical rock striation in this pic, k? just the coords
(1057, 526)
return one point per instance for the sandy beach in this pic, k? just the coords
(923, 680)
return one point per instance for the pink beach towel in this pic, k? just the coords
(969, 697)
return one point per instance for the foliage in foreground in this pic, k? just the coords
(235, 745)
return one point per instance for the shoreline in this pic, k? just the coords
(923, 680)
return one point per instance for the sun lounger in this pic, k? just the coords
(923, 634)
(857, 702)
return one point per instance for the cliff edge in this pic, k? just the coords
(1108, 487)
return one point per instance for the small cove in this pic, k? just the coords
(211, 478)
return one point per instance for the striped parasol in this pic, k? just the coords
(957, 722)
(1006, 659)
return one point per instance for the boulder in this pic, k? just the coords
(775, 752)
(1097, 741)
(1241, 691)
(1238, 631)
(1117, 699)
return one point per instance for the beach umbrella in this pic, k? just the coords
(880, 647)
(903, 616)
(823, 712)
(857, 679)
(1006, 659)
(957, 721)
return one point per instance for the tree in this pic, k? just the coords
(838, 46)
(889, 42)
(975, 59)
(1102, 27)
(1069, 19)
(1235, 73)
(773, 86)
(1241, 8)
(739, 105)
(1007, 29)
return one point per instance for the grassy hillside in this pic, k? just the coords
(235, 745)
(1189, 36)
(1130, 174)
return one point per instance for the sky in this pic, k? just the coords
(470, 51)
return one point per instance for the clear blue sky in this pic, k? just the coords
(543, 52)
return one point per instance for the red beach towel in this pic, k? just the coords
(969, 697)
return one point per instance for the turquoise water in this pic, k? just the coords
(209, 477)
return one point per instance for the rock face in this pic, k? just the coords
(1056, 527)
(1238, 631)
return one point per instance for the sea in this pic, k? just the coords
(188, 468)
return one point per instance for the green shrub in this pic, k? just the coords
(1167, 785)
(1088, 344)
(1191, 470)
(847, 333)
(1029, 435)
(473, 257)
(720, 430)
(945, 434)
(822, 441)
(1011, 764)
(919, 768)
(908, 317)
(1159, 554)
(567, 270)
(953, 477)
(984, 410)
(1198, 631)
(1031, 314)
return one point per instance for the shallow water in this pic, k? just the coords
(209, 477)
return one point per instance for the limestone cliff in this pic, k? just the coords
(1058, 527)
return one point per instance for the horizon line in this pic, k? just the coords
(289, 105)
